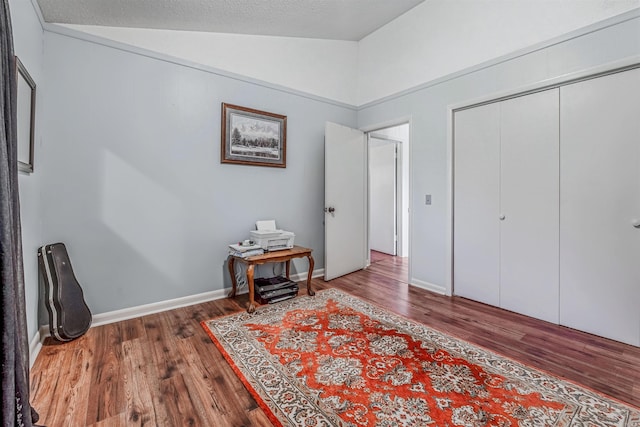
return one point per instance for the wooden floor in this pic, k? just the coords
(163, 370)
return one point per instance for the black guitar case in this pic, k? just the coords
(69, 316)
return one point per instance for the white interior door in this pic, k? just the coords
(529, 236)
(600, 206)
(345, 201)
(476, 245)
(382, 196)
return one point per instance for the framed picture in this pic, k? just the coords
(253, 137)
(26, 112)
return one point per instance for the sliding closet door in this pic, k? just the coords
(600, 206)
(476, 203)
(529, 205)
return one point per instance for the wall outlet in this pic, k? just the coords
(427, 199)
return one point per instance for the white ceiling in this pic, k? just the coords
(323, 19)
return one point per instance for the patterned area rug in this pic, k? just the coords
(335, 360)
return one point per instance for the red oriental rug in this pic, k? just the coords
(335, 360)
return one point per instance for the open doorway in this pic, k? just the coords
(388, 175)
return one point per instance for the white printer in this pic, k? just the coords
(267, 236)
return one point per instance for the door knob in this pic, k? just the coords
(330, 209)
(636, 223)
(502, 217)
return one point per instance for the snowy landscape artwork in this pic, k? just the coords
(253, 137)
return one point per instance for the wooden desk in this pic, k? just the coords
(285, 255)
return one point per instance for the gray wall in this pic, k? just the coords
(427, 107)
(134, 183)
(128, 171)
(28, 41)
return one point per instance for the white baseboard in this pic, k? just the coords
(143, 310)
(428, 286)
(156, 307)
(36, 345)
(303, 276)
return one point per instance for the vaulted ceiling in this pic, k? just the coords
(323, 19)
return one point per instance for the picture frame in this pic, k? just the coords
(26, 115)
(253, 137)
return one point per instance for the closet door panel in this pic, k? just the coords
(600, 200)
(529, 236)
(476, 202)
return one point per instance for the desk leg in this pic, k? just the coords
(311, 263)
(232, 272)
(252, 302)
(288, 268)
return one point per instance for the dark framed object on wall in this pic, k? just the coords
(253, 137)
(26, 115)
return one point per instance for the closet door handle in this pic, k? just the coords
(502, 217)
(636, 223)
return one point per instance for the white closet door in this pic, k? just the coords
(476, 201)
(529, 192)
(600, 201)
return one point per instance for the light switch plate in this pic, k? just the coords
(427, 199)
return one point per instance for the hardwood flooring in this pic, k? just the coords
(376, 256)
(163, 370)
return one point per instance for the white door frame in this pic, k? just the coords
(407, 120)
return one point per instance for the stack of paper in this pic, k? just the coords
(245, 251)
